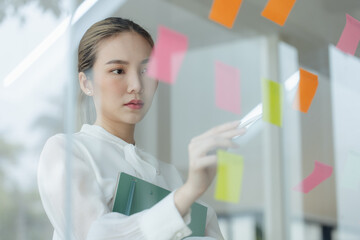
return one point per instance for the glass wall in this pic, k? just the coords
(34, 74)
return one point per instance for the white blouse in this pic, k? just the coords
(97, 158)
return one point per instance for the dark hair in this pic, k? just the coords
(99, 31)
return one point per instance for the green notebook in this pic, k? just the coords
(135, 195)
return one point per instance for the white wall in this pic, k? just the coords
(345, 89)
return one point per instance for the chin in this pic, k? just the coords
(134, 119)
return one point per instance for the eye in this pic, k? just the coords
(118, 71)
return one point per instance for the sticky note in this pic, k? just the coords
(272, 102)
(229, 176)
(227, 87)
(350, 36)
(167, 56)
(350, 175)
(306, 91)
(320, 173)
(278, 10)
(225, 11)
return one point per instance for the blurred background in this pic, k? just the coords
(38, 79)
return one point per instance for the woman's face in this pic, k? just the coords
(122, 91)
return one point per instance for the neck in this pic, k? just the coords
(121, 130)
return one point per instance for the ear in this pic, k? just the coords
(85, 84)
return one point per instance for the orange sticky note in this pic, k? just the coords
(229, 176)
(278, 10)
(306, 91)
(225, 11)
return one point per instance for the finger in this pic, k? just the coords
(202, 148)
(218, 129)
(222, 128)
(233, 133)
(228, 134)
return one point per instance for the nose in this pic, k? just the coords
(134, 82)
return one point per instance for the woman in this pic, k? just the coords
(112, 59)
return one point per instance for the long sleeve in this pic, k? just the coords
(212, 226)
(212, 229)
(91, 217)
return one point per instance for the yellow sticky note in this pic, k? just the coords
(272, 102)
(229, 176)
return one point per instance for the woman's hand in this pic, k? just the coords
(203, 162)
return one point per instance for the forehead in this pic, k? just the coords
(128, 46)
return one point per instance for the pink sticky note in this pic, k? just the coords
(350, 36)
(227, 85)
(320, 173)
(167, 55)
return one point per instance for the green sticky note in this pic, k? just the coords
(229, 176)
(350, 174)
(272, 102)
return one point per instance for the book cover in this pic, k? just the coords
(133, 195)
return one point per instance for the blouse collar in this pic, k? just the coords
(98, 131)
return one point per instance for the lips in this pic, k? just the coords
(135, 104)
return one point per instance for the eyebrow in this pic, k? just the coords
(117, 61)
